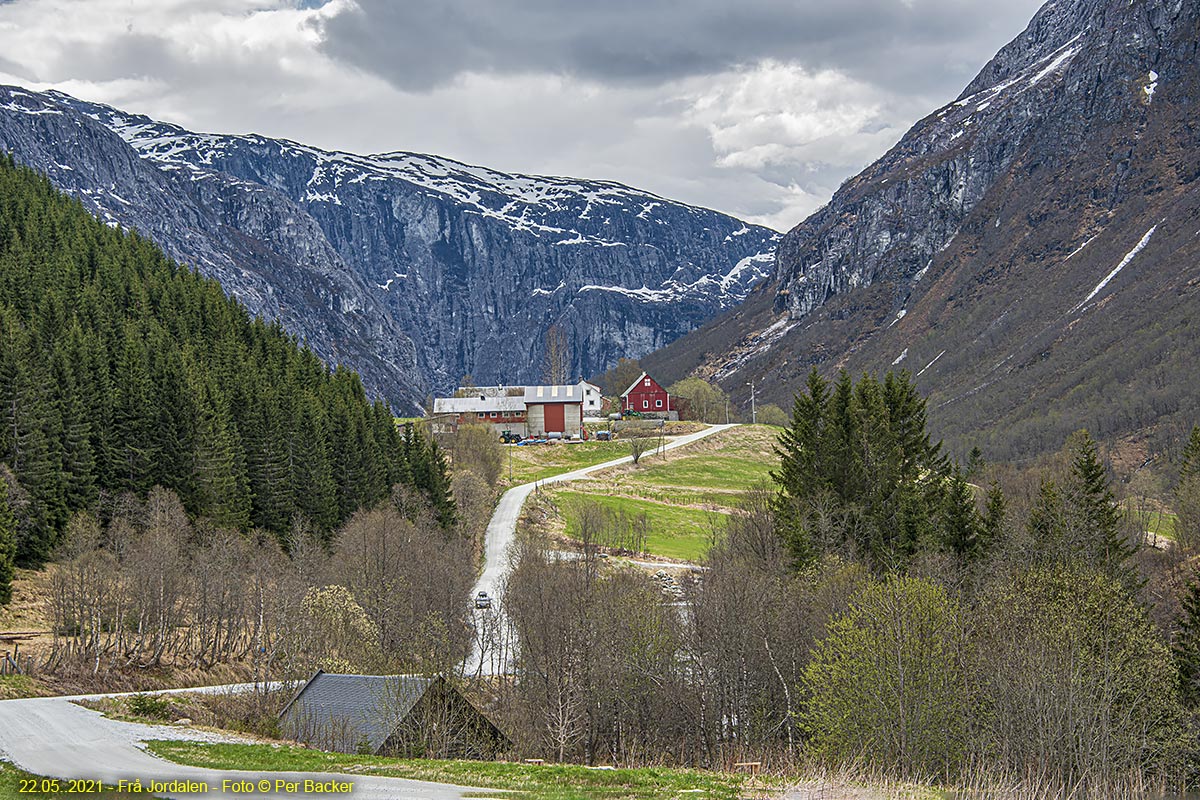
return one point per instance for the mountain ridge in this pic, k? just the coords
(964, 252)
(414, 269)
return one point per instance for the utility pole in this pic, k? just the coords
(753, 408)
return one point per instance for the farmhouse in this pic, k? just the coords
(501, 411)
(593, 399)
(410, 716)
(647, 397)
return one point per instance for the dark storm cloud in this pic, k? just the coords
(891, 43)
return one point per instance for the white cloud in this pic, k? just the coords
(764, 114)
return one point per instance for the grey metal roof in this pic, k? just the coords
(368, 707)
(475, 404)
(553, 394)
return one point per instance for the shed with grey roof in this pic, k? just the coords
(412, 716)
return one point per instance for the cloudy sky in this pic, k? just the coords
(755, 107)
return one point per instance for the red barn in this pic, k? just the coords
(647, 396)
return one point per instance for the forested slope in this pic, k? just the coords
(121, 370)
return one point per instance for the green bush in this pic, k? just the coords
(1073, 681)
(886, 683)
(150, 707)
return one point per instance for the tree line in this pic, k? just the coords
(153, 589)
(121, 370)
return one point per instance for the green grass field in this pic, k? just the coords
(685, 494)
(1163, 524)
(524, 781)
(676, 531)
(1157, 521)
(535, 462)
(14, 687)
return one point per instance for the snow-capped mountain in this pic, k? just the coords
(414, 269)
(1028, 250)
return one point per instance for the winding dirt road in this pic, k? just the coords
(493, 660)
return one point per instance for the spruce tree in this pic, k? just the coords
(431, 475)
(800, 450)
(1187, 496)
(1190, 466)
(219, 462)
(995, 512)
(842, 443)
(266, 442)
(1099, 537)
(961, 527)
(311, 481)
(802, 478)
(78, 459)
(1187, 645)
(975, 464)
(133, 453)
(1047, 526)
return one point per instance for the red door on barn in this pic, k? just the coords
(556, 418)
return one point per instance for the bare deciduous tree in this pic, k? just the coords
(638, 445)
(556, 359)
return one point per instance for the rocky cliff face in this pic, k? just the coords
(1079, 64)
(413, 269)
(1035, 232)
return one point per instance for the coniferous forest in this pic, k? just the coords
(121, 370)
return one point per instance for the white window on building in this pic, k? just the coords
(482, 415)
(647, 381)
(645, 404)
(493, 415)
(658, 403)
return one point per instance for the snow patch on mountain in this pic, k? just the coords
(931, 363)
(1079, 249)
(1150, 87)
(1130, 256)
(749, 270)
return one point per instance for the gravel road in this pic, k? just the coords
(499, 537)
